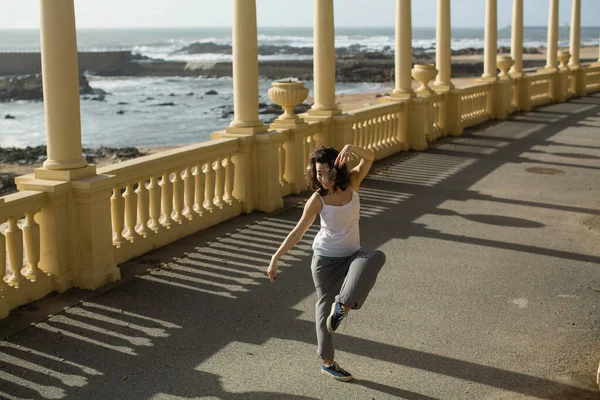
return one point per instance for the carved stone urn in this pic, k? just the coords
(288, 94)
(424, 73)
(563, 57)
(504, 62)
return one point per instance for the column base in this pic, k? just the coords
(321, 112)
(64, 165)
(65, 175)
(287, 125)
(486, 79)
(442, 87)
(548, 69)
(250, 130)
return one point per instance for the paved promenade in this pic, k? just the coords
(491, 290)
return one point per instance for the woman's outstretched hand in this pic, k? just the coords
(272, 270)
(344, 156)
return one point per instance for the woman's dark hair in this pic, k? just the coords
(340, 176)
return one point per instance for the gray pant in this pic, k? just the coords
(344, 280)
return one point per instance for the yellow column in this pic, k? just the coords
(403, 59)
(491, 41)
(60, 73)
(575, 33)
(552, 47)
(516, 47)
(443, 53)
(324, 60)
(245, 69)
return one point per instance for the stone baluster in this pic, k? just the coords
(200, 180)
(178, 196)
(130, 198)
(117, 211)
(229, 178)
(31, 233)
(154, 190)
(188, 193)
(219, 182)
(143, 208)
(166, 199)
(209, 186)
(14, 245)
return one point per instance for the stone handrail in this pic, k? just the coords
(475, 104)
(182, 190)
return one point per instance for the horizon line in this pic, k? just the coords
(282, 27)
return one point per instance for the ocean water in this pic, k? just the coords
(194, 114)
(144, 123)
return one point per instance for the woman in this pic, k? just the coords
(343, 275)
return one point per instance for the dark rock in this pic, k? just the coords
(165, 104)
(227, 111)
(122, 103)
(120, 112)
(271, 109)
(202, 48)
(172, 94)
(99, 98)
(28, 87)
(211, 92)
(149, 98)
(27, 155)
(8, 116)
(302, 108)
(85, 88)
(190, 94)
(7, 183)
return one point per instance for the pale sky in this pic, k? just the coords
(288, 13)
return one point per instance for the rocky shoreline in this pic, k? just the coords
(32, 157)
(354, 63)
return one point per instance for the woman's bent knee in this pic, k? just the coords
(378, 257)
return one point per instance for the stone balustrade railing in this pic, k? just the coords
(162, 197)
(541, 88)
(380, 128)
(475, 104)
(154, 200)
(294, 151)
(25, 279)
(592, 79)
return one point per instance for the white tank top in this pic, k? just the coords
(339, 234)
